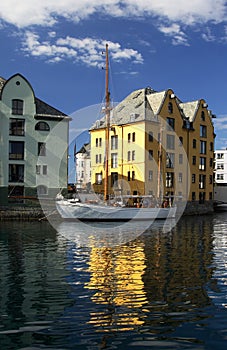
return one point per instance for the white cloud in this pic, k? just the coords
(48, 12)
(87, 50)
(221, 122)
(174, 30)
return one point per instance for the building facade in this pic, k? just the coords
(220, 188)
(83, 167)
(33, 144)
(158, 146)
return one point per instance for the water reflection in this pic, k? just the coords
(160, 290)
(157, 279)
(108, 234)
(116, 278)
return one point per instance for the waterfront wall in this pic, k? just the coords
(196, 208)
(21, 212)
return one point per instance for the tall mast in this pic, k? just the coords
(159, 165)
(107, 131)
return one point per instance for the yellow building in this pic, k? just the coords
(158, 146)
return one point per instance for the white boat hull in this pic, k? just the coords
(70, 210)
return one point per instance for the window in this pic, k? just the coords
(193, 178)
(133, 137)
(16, 173)
(202, 181)
(16, 127)
(202, 163)
(170, 141)
(211, 162)
(203, 147)
(193, 196)
(211, 146)
(169, 179)
(150, 152)
(194, 143)
(114, 142)
(114, 162)
(129, 156)
(42, 126)
(210, 179)
(150, 175)
(180, 141)
(42, 190)
(180, 158)
(170, 158)
(203, 116)
(114, 179)
(98, 178)
(150, 136)
(98, 142)
(17, 107)
(129, 137)
(220, 166)
(203, 131)
(16, 150)
(41, 148)
(220, 155)
(170, 124)
(98, 158)
(133, 155)
(128, 175)
(133, 175)
(45, 170)
(180, 177)
(194, 160)
(220, 176)
(170, 107)
(38, 169)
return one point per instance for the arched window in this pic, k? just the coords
(43, 126)
(42, 190)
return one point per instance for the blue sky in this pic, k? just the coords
(57, 45)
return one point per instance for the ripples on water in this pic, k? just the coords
(161, 290)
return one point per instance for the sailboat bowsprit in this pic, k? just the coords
(107, 211)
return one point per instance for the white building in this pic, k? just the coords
(33, 144)
(220, 188)
(83, 167)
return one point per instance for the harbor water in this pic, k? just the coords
(160, 290)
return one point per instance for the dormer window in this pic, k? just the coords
(17, 107)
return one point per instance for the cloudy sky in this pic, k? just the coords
(57, 45)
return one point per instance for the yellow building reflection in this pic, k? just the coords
(116, 278)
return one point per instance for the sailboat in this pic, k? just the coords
(70, 209)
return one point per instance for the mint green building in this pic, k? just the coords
(33, 144)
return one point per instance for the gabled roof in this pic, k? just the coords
(156, 100)
(190, 109)
(42, 109)
(85, 148)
